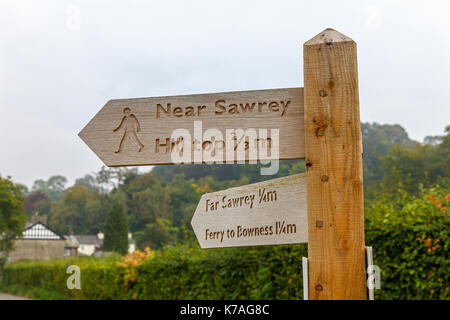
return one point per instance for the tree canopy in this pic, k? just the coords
(116, 230)
(12, 216)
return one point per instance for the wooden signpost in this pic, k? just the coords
(336, 250)
(319, 123)
(264, 213)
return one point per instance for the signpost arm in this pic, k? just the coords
(333, 147)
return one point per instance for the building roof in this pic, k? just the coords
(71, 242)
(93, 239)
(40, 231)
(88, 239)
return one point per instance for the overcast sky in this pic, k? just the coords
(61, 61)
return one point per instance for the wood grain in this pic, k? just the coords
(334, 168)
(264, 213)
(151, 121)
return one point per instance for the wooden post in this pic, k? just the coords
(334, 168)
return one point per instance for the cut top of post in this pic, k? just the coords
(328, 36)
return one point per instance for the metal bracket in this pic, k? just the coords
(305, 278)
(369, 258)
(369, 266)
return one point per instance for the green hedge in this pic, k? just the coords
(409, 237)
(48, 279)
(175, 273)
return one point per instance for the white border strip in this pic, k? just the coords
(369, 257)
(305, 278)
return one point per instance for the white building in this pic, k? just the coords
(89, 245)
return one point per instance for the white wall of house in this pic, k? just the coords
(89, 249)
(131, 243)
(86, 249)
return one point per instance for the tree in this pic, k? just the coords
(145, 199)
(12, 216)
(116, 230)
(53, 187)
(88, 181)
(80, 211)
(182, 193)
(112, 178)
(37, 201)
(155, 235)
(409, 168)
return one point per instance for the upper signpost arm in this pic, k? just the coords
(334, 168)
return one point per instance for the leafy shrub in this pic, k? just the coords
(176, 273)
(100, 278)
(410, 239)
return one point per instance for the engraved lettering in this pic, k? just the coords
(178, 112)
(282, 228)
(284, 106)
(260, 105)
(221, 107)
(247, 106)
(233, 109)
(199, 109)
(190, 111)
(214, 235)
(243, 232)
(267, 196)
(240, 201)
(159, 145)
(160, 108)
(169, 145)
(273, 106)
(211, 205)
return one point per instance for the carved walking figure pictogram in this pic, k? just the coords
(131, 126)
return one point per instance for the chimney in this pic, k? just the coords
(100, 235)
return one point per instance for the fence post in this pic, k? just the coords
(333, 144)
